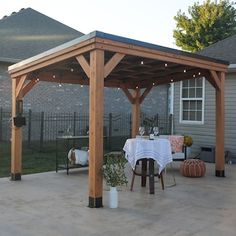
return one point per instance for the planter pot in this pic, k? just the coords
(113, 197)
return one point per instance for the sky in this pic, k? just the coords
(146, 20)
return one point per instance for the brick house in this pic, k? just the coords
(27, 33)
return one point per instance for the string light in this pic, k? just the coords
(71, 69)
(141, 62)
(171, 80)
(153, 84)
(194, 76)
(60, 85)
(166, 64)
(118, 88)
(136, 87)
(184, 71)
(81, 85)
(37, 80)
(199, 73)
(54, 76)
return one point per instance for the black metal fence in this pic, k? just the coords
(42, 127)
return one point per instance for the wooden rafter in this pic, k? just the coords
(144, 83)
(84, 64)
(112, 63)
(20, 85)
(145, 93)
(216, 79)
(128, 94)
(157, 55)
(27, 87)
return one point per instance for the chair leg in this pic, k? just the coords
(162, 181)
(132, 182)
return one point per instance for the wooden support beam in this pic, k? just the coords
(164, 79)
(27, 87)
(219, 152)
(215, 78)
(136, 112)
(209, 78)
(20, 84)
(112, 63)
(128, 94)
(84, 64)
(50, 59)
(96, 128)
(16, 138)
(140, 51)
(145, 93)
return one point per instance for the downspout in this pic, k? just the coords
(171, 105)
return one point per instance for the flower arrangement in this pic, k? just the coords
(188, 141)
(113, 170)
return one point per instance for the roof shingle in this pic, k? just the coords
(28, 32)
(224, 50)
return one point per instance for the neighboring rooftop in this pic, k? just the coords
(28, 32)
(224, 50)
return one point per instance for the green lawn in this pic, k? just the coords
(36, 159)
(33, 160)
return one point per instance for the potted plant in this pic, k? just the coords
(188, 141)
(114, 175)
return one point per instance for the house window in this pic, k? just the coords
(192, 94)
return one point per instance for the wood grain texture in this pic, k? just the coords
(96, 123)
(220, 124)
(16, 137)
(135, 112)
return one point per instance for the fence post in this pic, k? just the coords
(41, 130)
(29, 127)
(110, 132)
(1, 115)
(157, 119)
(74, 123)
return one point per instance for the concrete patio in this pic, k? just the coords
(52, 203)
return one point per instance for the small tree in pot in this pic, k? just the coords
(188, 142)
(114, 174)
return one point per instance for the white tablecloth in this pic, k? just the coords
(158, 149)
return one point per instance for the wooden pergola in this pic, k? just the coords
(103, 60)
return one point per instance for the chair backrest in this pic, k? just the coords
(179, 150)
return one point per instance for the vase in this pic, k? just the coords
(113, 197)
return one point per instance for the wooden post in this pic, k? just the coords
(96, 128)
(29, 127)
(220, 156)
(16, 139)
(1, 115)
(136, 113)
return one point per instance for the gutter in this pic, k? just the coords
(231, 68)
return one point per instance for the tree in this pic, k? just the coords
(207, 24)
